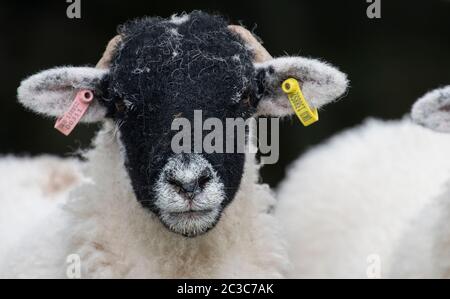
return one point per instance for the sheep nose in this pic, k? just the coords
(191, 187)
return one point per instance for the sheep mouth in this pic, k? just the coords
(191, 213)
(191, 223)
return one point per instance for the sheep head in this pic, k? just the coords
(158, 70)
(433, 110)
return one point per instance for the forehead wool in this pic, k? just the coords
(194, 61)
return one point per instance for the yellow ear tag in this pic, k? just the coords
(305, 113)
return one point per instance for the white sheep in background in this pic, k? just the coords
(424, 251)
(143, 211)
(348, 205)
(30, 189)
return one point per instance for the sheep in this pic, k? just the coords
(143, 211)
(424, 249)
(347, 206)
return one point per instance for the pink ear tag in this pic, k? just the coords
(66, 123)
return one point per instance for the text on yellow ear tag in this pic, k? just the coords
(304, 112)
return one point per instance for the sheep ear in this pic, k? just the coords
(320, 83)
(433, 110)
(51, 92)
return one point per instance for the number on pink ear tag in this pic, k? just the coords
(66, 123)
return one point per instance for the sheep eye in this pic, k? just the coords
(120, 106)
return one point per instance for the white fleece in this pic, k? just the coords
(30, 189)
(115, 237)
(423, 250)
(359, 195)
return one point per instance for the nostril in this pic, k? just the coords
(187, 188)
(190, 188)
(175, 184)
(203, 181)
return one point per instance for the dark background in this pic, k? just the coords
(390, 61)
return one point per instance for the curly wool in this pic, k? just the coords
(103, 223)
(375, 181)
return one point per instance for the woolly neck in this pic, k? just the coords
(116, 237)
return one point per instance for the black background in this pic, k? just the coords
(390, 61)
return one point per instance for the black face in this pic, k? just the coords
(166, 69)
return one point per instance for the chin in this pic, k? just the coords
(191, 223)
